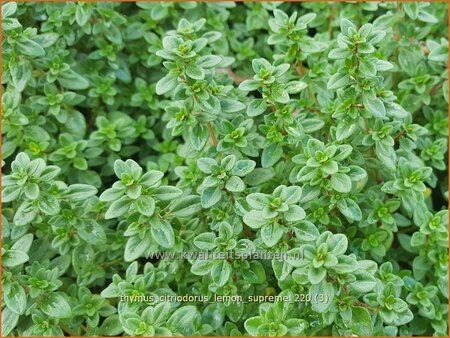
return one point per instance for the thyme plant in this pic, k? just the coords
(301, 147)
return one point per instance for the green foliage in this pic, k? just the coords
(224, 169)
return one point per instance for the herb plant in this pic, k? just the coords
(301, 147)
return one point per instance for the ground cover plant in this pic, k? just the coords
(136, 136)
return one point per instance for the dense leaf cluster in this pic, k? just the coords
(313, 130)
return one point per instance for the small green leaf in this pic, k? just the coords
(221, 272)
(249, 85)
(295, 87)
(339, 53)
(10, 194)
(54, 305)
(31, 191)
(195, 72)
(375, 107)
(338, 80)
(92, 233)
(136, 247)
(271, 233)
(14, 257)
(118, 208)
(341, 183)
(166, 84)
(16, 299)
(361, 323)
(205, 241)
(9, 321)
(49, 204)
(255, 274)
(80, 192)
(208, 61)
(256, 107)
(185, 207)
(243, 167)
(29, 47)
(322, 295)
(231, 106)
(316, 275)
(295, 213)
(210, 196)
(252, 324)
(167, 192)
(72, 80)
(235, 184)
(162, 233)
(25, 214)
(271, 155)
(8, 9)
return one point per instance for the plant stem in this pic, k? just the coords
(69, 331)
(212, 134)
(330, 21)
(113, 262)
(299, 68)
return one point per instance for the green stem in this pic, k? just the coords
(69, 331)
